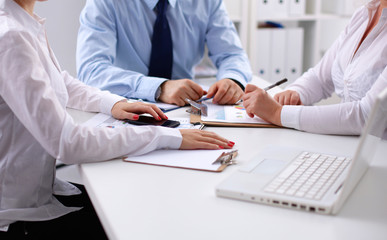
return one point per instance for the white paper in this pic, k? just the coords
(229, 114)
(194, 159)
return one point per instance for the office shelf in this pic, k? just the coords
(245, 16)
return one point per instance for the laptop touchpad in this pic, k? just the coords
(269, 166)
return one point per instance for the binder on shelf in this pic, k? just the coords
(294, 53)
(268, 9)
(296, 7)
(264, 9)
(234, 9)
(279, 8)
(278, 52)
(204, 160)
(263, 55)
(342, 8)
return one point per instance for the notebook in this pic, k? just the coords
(304, 180)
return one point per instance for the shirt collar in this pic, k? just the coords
(32, 23)
(152, 3)
(373, 4)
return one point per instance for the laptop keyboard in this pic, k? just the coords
(309, 176)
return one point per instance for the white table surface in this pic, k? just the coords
(137, 201)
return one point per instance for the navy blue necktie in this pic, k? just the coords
(162, 52)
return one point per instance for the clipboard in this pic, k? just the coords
(204, 160)
(200, 108)
(194, 119)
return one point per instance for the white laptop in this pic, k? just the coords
(304, 180)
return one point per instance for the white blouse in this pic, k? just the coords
(356, 78)
(35, 128)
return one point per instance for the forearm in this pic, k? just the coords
(87, 98)
(119, 81)
(81, 144)
(343, 119)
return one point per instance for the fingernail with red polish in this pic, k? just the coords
(232, 143)
(165, 116)
(135, 117)
(159, 118)
(221, 147)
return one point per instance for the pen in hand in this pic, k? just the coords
(269, 87)
(275, 84)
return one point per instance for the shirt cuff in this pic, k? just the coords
(173, 138)
(290, 116)
(148, 87)
(107, 102)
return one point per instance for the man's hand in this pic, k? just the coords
(225, 91)
(176, 91)
(288, 97)
(257, 102)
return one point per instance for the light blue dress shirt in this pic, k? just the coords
(114, 44)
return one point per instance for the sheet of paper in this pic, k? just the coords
(194, 159)
(103, 120)
(229, 114)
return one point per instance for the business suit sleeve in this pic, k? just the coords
(96, 54)
(224, 46)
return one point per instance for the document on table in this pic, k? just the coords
(104, 120)
(229, 114)
(205, 160)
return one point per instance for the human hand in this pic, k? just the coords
(225, 91)
(199, 139)
(176, 91)
(288, 97)
(257, 102)
(125, 110)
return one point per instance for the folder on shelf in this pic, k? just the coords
(294, 53)
(279, 8)
(234, 8)
(205, 160)
(264, 9)
(267, 9)
(278, 52)
(296, 7)
(263, 53)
